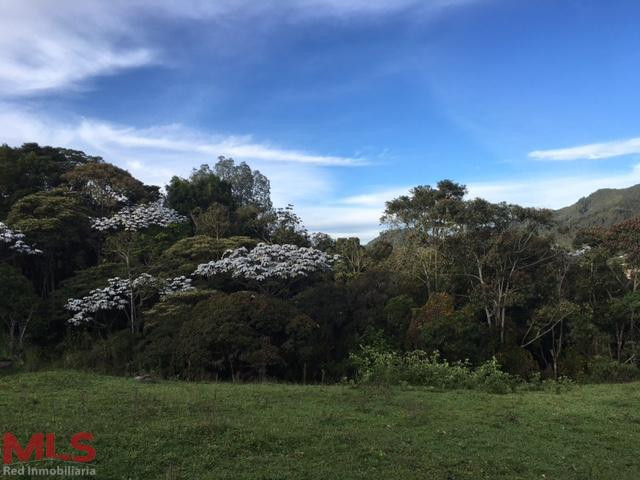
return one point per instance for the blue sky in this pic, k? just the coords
(342, 103)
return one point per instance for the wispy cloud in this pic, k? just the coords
(157, 153)
(48, 46)
(592, 151)
(359, 215)
(176, 138)
(61, 45)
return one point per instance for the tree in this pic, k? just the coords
(184, 256)
(202, 189)
(238, 335)
(127, 224)
(57, 223)
(353, 257)
(286, 227)
(323, 241)
(549, 320)
(215, 221)
(496, 246)
(14, 242)
(624, 238)
(18, 304)
(31, 168)
(248, 187)
(105, 186)
(127, 295)
(268, 262)
(430, 215)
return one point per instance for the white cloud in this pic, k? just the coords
(156, 154)
(553, 192)
(375, 198)
(359, 215)
(592, 151)
(59, 45)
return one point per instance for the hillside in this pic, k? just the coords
(178, 430)
(602, 208)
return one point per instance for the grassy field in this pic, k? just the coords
(172, 430)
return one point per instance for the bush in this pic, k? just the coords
(490, 378)
(517, 361)
(376, 366)
(422, 369)
(113, 355)
(602, 369)
(537, 383)
(379, 367)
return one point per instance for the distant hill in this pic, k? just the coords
(602, 208)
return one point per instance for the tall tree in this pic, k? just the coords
(32, 168)
(430, 215)
(196, 194)
(496, 246)
(248, 187)
(105, 186)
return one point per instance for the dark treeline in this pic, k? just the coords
(468, 278)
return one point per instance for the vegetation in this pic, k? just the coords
(603, 208)
(211, 281)
(178, 430)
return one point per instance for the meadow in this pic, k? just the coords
(179, 430)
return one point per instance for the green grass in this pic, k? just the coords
(271, 431)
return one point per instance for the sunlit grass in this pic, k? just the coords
(271, 431)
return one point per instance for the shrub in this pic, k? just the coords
(517, 361)
(490, 378)
(377, 366)
(422, 369)
(602, 369)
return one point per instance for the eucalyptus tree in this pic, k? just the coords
(497, 248)
(248, 187)
(430, 217)
(193, 195)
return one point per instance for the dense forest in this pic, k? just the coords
(206, 279)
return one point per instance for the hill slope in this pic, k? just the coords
(602, 208)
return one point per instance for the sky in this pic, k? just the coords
(343, 104)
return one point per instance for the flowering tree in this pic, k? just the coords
(123, 294)
(104, 194)
(14, 241)
(267, 262)
(126, 224)
(138, 217)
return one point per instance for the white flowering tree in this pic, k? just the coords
(13, 240)
(122, 294)
(125, 226)
(104, 195)
(269, 262)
